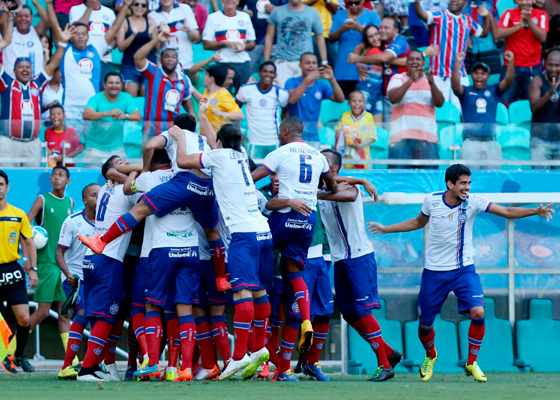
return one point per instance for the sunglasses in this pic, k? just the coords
(143, 5)
(353, 3)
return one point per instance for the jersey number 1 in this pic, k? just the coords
(242, 163)
(102, 207)
(305, 170)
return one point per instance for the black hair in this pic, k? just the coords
(395, 25)
(218, 72)
(185, 121)
(334, 155)
(5, 176)
(307, 53)
(62, 167)
(170, 49)
(85, 189)
(230, 136)
(107, 165)
(294, 125)
(454, 172)
(112, 73)
(264, 64)
(365, 40)
(415, 51)
(160, 157)
(26, 7)
(76, 24)
(252, 165)
(57, 105)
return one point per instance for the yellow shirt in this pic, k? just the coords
(360, 129)
(223, 101)
(13, 222)
(325, 15)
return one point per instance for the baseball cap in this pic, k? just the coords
(482, 65)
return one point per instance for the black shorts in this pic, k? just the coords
(12, 284)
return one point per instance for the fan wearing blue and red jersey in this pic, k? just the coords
(449, 265)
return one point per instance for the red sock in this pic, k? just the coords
(275, 328)
(196, 353)
(321, 329)
(301, 294)
(218, 255)
(96, 343)
(125, 223)
(188, 340)
(260, 321)
(74, 340)
(154, 332)
(289, 336)
(173, 339)
(204, 342)
(220, 335)
(251, 344)
(112, 342)
(244, 312)
(369, 329)
(427, 337)
(138, 322)
(476, 334)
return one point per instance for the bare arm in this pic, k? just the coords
(539, 33)
(330, 182)
(335, 36)
(338, 94)
(55, 27)
(32, 254)
(535, 98)
(437, 95)
(61, 262)
(343, 196)
(205, 125)
(506, 83)
(396, 94)
(8, 31)
(456, 77)
(298, 205)
(268, 41)
(520, 212)
(407, 226)
(297, 93)
(122, 42)
(141, 56)
(385, 57)
(84, 19)
(112, 33)
(422, 14)
(127, 189)
(155, 143)
(43, 24)
(64, 37)
(259, 174)
(36, 209)
(322, 46)
(372, 191)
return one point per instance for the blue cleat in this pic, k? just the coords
(316, 372)
(129, 374)
(147, 372)
(287, 376)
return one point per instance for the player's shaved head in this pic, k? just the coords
(293, 125)
(86, 191)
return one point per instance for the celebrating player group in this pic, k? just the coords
(207, 238)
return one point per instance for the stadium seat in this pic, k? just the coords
(199, 54)
(496, 354)
(332, 111)
(132, 140)
(538, 338)
(380, 149)
(140, 102)
(515, 142)
(504, 5)
(502, 116)
(446, 344)
(520, 114)
(116, 57)
(449, 138)
(447, 115)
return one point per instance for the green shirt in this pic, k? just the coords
(55, 211)
(106, 134)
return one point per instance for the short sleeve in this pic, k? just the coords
(189, 16)
(273, 17)
(338, 20)
(480, 203)
(74, 138)
(228, 104)
(240, 98)
(283, 97)
(327, 90)
(291, 83)
(272, 161)
(25, 229)
(476, 29)
(250, 35)
(5, 80)
(374, 18)
(325, 168)
(317, 25)
(398, 47)
(505, 19)
(208, 160)
(168, 138)
(93, 103)
(66, 233)
(209, 33)
(395, 82)
(426, 206)
(149, 70)
(543, 21)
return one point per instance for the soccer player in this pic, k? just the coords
(300, 168)
(49, 211)
(250, 256)
(69, 257)
(449, 260)
(15, 228)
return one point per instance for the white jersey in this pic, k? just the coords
(28, 45)
(235, 190)
(346, 228)
(263, 117)
(194, 144)
(449, 244)
(179, 39)
(81, 73)
(73, 226)
(100, 21)
(111, 204)
(236, 29)
(299, 167)
(176, 229)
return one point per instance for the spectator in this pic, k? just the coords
(544, 96)
(525, 29)
(136, 31)
(308, 91)
(200, 13)
(552, 8)
(326, 9)
(553, 37)
(262, 100)
(46, 43)
(25, 41)
(184, 31)
(296, 23)
(233, 33)
(415, 96)
(451, 41)
(259, 11)
(480, 106)
(167, 86)
(109, 110)
(52, 94)
(62, 9)
(222, 107)
(21, 105)
(398, 9)
(355, 131)
(347, 29)
(60, 136)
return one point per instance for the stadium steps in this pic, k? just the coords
(515, 142)
(496, 354)
(538, 339)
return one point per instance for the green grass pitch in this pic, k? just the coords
(454, 386)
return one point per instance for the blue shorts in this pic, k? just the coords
(139, 286)
(80, 300)
(103, 287)
(185, 190)
(355, 282)
(436, 286)
(208, 292)
(275, 297)
(174, 277)
(129, 73)
(374, 98)
(292, 233)
(251, 261)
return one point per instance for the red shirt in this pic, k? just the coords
(525, 46)
(69, 135)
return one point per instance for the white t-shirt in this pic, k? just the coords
(179, 39)
(237, 29)
(72, 226)
(235, 190)
(299, 167)
(49, 95)
(346, 229)
(449, 244)
(28, 45)
(263, 115)
(195, 144)
(100, 21)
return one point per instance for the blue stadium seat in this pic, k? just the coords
(448, 137)
(538, 338)
(199, 54)
(140, 102)
(515, 142)
(502, 116)
(496, 354)
(380, 149)
(520, 114)
(504, 5)
(332, 111)
(447, 115)
(116, 57)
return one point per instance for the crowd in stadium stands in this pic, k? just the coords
(99, 78)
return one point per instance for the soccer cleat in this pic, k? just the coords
(257, 358)
(287, 376)
(129, 374)
(24, 364)
(265, 373)
(207, 374)
(395, 358)
(382, 374)
(170, 374)
(9, 366)
(475, 371)
(234, 366)
(113, 372)
(196, 369)
(148, 372)
(92, 375)
(94, 243)
(427, 368)
(315, 371)
(68, 373)
(223, 284)
(306, 337)
(184, 376)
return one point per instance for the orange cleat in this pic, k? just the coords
(94, 243)
(223, 284)
(265, 373)
(184, 376)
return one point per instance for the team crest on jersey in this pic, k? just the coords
(214, 102)
(13, 237)
(451, 217)
(241, 23)
(287, 356)
(106, 17)
(30, 44)
(262, 102)
(114, 309)
(97, 27)
(34, 92)
(318, 95)
(233, 34)
(419, 310)
(180, 86)
(462, 218)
